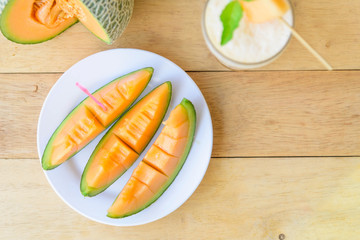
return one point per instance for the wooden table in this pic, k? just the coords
(286, 137)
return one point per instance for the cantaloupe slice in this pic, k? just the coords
(135, 193)
(177, 132)
(158, 169)
(114, 158)
(259, 11)
(140, 124)
(171, 145)
(116, 97)
(126, 139)
(160, 160)
(149, 176)
(88, 120)
(34, 21)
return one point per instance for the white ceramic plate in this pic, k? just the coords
(93, 72)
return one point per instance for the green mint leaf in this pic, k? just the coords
(230, 18)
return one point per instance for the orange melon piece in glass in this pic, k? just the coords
(259, 11)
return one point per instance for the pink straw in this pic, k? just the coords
(90, 95)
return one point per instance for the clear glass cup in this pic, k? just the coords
(234, 64)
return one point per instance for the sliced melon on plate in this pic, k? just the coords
(114, 158)
(139, 125)
(131, 133)
(158, 169)
(88, 120)
(134, 196)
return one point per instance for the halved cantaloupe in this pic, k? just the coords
(160, 165)
(88, 120)
(34, 21)
(106, 19)
(130, 135)
(259, 11)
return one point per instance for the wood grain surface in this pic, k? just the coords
(239, 198)
(296, 113)
(286, 156)
(173, 29)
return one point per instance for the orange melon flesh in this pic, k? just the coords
(160, 160)
(20, 25)
(134, 195)
(101, 173)
(112, 160)
(149, 176)
(259, 11)
(177, 117)
(129, 135)
(86, 18)
(158, 168)
(171, 146)
(63, 149)
(87, 120)
(140, 124)
(177, 132)
(117, 96)
(76, 133)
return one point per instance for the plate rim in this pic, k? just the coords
(140, 222)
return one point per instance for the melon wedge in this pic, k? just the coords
(160, 165)
(87, 120)
(124, 142)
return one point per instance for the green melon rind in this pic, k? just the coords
(45, 160)
(112, 15)
(8, 35)
(5, 8)
(90, 191)
(192, 119)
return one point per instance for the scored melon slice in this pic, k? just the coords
(160, 166)
(88, 120)
(124, 142)
(114, 158)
